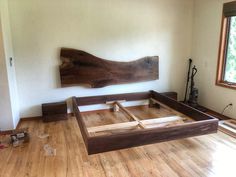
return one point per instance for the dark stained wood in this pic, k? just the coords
(53, 118)
(80, 121)
(172, 95)
(54, 108)
(229, 9)
(181, 107)
(204, 124)
(6, 132)
(82, 101)
(79, 67)
(149, 136)
(30, 118)
(54, 111)
(101, 99)
(214, 113)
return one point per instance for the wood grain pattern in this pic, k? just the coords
(79, 67)
(204, 124)
(54, 111)
(102, 99)
(203, 156)
(181, 107)
(83, 101)
(141, 137)
(54, 108)
(229, 9)
(228, 127)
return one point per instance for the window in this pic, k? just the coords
(226, 72)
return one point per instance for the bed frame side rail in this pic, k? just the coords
(80, 121)
(124, 140)
(181, 107)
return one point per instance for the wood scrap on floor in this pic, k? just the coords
(49, 150)
(43, 135)
(228, 127)
(19, 137)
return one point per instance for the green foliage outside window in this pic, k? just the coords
(230, 67)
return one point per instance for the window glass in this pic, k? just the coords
(230, 63)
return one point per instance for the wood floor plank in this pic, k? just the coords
(209, 155)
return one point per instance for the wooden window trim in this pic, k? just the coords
(222, 54)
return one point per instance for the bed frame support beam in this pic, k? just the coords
(132, 116)
(155, 122)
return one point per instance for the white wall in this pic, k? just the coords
(9, 112)
(5, 113)
(207, 25)
(112, 29)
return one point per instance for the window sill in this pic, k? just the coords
(226, 85)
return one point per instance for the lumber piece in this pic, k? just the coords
(115, 106)
(161, 120)
(166, 124)
(79, 67)
(124, 125)
(166, 107)
(130, 114)
(112, 102)
(227, 129)
(127, 111)
(230, 123)
(149, 123)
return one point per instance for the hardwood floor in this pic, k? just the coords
(209, 155)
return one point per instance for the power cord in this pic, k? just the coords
(226, 107)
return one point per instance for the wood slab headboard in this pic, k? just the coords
(79, 67)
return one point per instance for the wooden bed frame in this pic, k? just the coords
(203, 123)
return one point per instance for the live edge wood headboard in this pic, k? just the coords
(79, 67)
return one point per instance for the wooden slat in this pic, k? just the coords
(227, 129)
(127, 111)
(167, 107)
(163, 121)
(110, 127)
(230, 123)
(130, 114)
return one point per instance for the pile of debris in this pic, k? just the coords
(16, 138)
